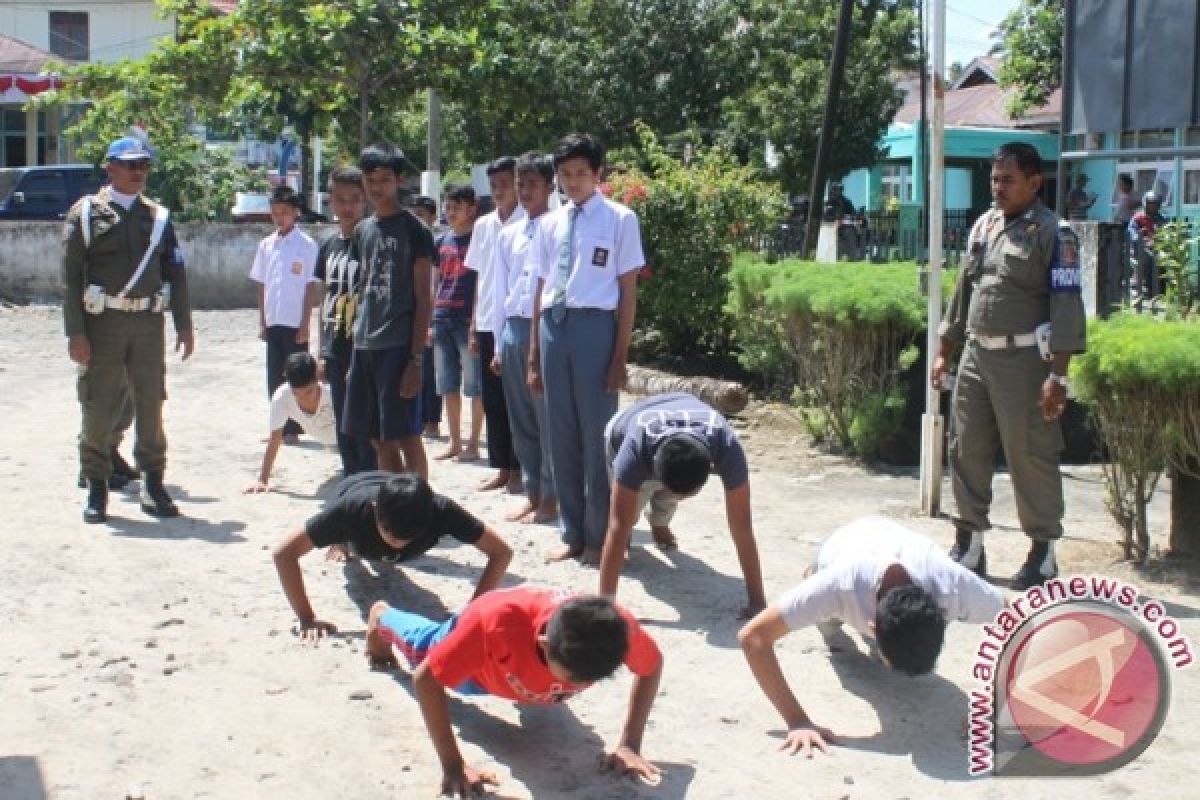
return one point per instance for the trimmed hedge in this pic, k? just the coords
(841, 334)
(1140, 378)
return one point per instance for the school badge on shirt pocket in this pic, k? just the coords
(297, 267)
(600, 257)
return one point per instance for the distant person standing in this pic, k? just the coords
(1079, 199)
(284, 269)
(1141, 229)
(424, 208)
(123, 268)
(1126, 203)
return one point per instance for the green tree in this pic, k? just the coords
(789, 44)
(1031, 54)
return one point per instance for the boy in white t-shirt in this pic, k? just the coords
(887, 582)
(284, 269)
(304, 401)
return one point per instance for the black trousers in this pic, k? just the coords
(281, 343)
(495, 411)
(357, 454)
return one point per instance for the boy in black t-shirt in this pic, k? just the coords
(340, 274)
(394, 251)
(383, 517)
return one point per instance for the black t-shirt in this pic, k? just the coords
(349, 517)
(339, 273)
(387, 249)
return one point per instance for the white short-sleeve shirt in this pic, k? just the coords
(607, 244)
(320, 425)
(851, 563)
(480, 254)
(512, 263)
(284, 265)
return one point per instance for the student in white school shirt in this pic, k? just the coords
(486, 330)
(284, 269)
(587, 256)
(513, 300)
(885, 581)
(302, 400)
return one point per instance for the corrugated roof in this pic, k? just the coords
(984, 107)
(20, 56)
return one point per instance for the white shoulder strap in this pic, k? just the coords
(85, 221)
(160, 224)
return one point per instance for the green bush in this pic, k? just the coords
(1140, 378)
(692, 218)
(842, 334)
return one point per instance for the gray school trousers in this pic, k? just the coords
(575, 357)
(526, 412)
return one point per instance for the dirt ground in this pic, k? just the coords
(161, 654)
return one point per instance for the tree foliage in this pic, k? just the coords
(790, 43)
(1031, 62)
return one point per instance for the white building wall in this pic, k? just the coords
(117, 29)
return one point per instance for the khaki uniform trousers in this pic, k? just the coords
(996, 403)
(127, 351)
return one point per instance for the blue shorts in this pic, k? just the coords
(414, 636)
(457, 367)
(374, 408)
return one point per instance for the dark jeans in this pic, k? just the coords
(357, 454)
(431, 402)
(281, 343)
(495, 409)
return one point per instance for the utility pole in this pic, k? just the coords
(837, 67)
(932, 423)
(431, 178)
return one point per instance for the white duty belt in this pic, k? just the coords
(1004, 341)
(161, 214)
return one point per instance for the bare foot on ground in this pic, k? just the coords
(469, 453)
(497, 481)
(564, 552)
(521, 512)
(663, 538)
(450, 452)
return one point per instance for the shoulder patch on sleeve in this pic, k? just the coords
(1065, 274)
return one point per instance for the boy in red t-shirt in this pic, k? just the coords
(528, 644)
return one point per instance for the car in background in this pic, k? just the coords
(256, 207)
(46, 192)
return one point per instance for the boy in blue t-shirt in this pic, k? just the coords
(457, 367)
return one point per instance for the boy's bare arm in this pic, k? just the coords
(458, 779)
(268, 464)
(757, 639)
(626, 311)
(287, 563)
(499, 556)
(410, 384)
(262, 311)
(533, 375)
(627, 758)
(310, 297)
(622, 514)
(741, 530)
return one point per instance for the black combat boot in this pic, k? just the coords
(96, 510)
(155, 500)
(968, 552)
(1039, 567)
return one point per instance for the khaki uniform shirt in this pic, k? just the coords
(1019, 274)
(119, 239)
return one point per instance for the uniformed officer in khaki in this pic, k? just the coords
(114, 321)
(1022, 274)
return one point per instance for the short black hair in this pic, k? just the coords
(535, 163)
(286, 195)
(1125, 180)
(579, 145)
(424, 201)
(345, 175)
(300, 369)
(682, 463)
(460, 192)
(1024, 155)
(588, 637)
(910, 627)
(502, 164)
(383, 155)
(404, 506)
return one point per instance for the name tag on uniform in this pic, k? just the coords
(600, 257)
(297, 267)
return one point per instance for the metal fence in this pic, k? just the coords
(880, 236)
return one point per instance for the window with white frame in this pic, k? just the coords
(896, 183)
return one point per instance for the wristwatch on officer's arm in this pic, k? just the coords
(1061, 380)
